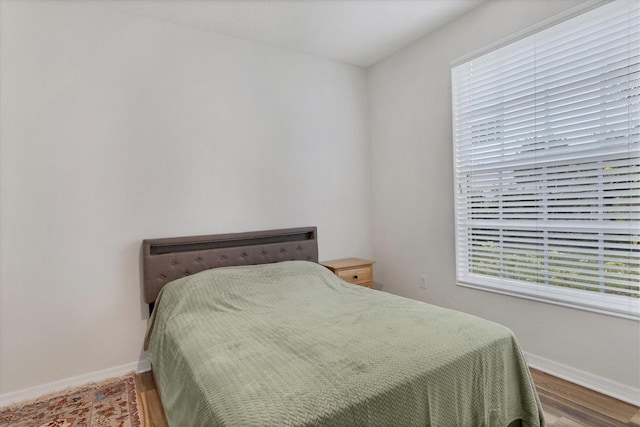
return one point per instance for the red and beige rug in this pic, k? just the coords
(110, 403)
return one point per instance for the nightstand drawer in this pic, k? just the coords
(353, 270)
(359, 276)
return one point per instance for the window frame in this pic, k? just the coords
(559, 295)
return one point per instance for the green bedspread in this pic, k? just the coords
(291, 344)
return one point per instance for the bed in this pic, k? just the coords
(249, 330)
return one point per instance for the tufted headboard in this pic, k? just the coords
(169, 259)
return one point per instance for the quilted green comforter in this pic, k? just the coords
(291, 344)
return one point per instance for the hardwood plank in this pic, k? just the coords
(145, 381)
(551, 419)
(565, 422)
(152, 410)
(144, 409)
(569, 401)
(564, 408)
(583, 396)
(155, 410)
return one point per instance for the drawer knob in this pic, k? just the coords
(355, 277)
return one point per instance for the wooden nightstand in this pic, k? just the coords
(353, 270)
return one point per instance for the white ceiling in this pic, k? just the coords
(358, 32)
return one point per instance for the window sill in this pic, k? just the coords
(549, 301)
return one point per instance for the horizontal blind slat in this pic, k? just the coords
(547, 163)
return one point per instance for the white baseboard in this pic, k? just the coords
(41, 390)
(586, 379)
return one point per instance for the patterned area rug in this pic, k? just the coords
(110, 403)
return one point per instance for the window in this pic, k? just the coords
(547, 164)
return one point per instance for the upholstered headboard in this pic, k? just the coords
(169, 259)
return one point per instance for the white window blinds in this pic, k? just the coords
(547, 163)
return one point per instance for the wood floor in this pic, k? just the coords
(565, 404)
